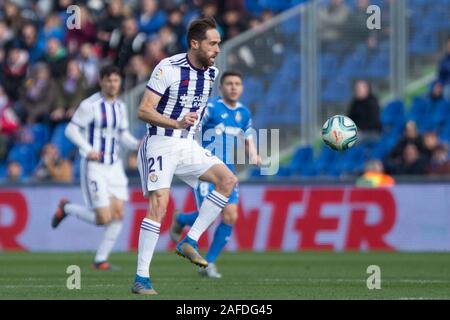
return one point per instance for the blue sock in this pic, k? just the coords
(221, 237)
(187, 219)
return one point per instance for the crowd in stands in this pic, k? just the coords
(47, 67)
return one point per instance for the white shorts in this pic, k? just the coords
(100, 182)
(160, 158)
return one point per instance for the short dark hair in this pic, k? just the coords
(230, 73)
(108, 70)
(198, 28)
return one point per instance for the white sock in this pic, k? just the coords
(112, 231)
(148, 237)
(209, 211)
(81, 212)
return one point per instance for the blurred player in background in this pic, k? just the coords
(229, 119)
(98, 127)
(173, 107)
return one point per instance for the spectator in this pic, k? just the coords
(14, 172)
(53, 28)
(52, 167)
(127, 43)
(38, 96)
(411, 136)
(32, 42)
(440, 162)
(150, 19)
(332, 20)
(111, 20)
(374, 175)
(436, 94)
(56, 58)
(136, 72)
(412, 162)
(154, 52)
(13, 16)
(233, 23)
(364, 110)
(430, 144)
(9, 123)
(6, 35)
(13, 71)
(71, 91)
(176, 24)
(355, 29)
(444, 71)
(88, 64)
(75, 38)
(169, 41)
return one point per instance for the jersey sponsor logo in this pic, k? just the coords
(195, 101)
(238, 117)
(158, 74)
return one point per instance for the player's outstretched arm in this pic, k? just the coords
(147, 112)
(252, 152)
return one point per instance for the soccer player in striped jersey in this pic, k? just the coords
(228, 120)
(173, 106)
(98, 128)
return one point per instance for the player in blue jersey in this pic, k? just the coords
(228, 120)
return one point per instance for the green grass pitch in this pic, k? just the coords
(246, 275)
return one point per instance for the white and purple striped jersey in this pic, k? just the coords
(183, 88)
(102, 123)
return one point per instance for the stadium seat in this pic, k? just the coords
(326, 157)
(26, 155)
(41, 135)
(301, 159)
(440, 115)
(392, 116)
(66, 148)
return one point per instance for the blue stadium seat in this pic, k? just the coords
(338, 90)
(3, 170)
(275, 5)
(66, 148)
(328, 65)
(440, 115)
(26, 155)
(326, 157)
(423, 43)
(419, 108)
(392, 116)
(445, 134)
(301, 159)
(385, 144)
(41, 135)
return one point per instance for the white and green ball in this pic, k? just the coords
(339, 132)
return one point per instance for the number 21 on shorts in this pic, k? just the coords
(151, 171)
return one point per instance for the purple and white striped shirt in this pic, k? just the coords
(102, 123)
(183, 88)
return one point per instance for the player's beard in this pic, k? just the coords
(204, 61)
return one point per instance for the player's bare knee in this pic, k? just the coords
(230, 217)
(227, 183)
(103, 219)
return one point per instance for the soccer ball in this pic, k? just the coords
(339, 132)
